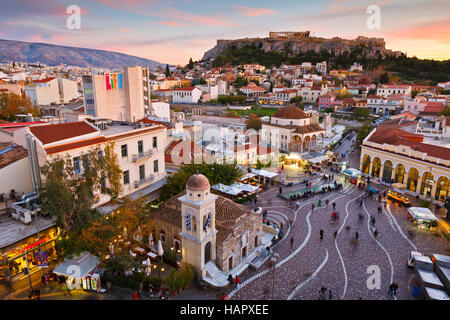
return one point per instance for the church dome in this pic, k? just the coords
(290, 112)
(198, 182)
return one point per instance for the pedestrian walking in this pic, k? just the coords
(150, 291)
(238, 282)
(320, 295)
(312, 207)
(321, 234)
(375, 233)
(230, 279)
(135, 295)
(292, 241)
(328, 202)
(379, 210)
(372, 221)
(334, 206)
(356, 236)
(297, 205)
(319, 203)
(335, 233)
(324, 291)
(330, 295)
(360, 203)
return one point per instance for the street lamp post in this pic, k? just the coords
(28, 271)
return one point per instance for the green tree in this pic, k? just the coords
(12, 104)
(68, 196)
(202, 81)
(216, 173)
(446, 112)
(361, 112)
(363, 132)
(190, 65)
(384, 78)
(167, 71)
(232, 114)
(414, 93)
(253, 122)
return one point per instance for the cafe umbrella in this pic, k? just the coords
(160, 250)
(150, 241)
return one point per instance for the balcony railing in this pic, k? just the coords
(139, 183)
(144, 155)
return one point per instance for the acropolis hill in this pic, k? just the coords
(297, 42)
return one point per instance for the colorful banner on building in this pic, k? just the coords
(108, 82)
(113, 81)
(119, 81)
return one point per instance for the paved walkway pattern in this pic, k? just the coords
(339, 263)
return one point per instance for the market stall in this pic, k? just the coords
(80, 272)
(423, 218)
(227, 190)
(399, 198)
(352, 174)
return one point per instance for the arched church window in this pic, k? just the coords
(194, 224)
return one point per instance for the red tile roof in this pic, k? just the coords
(148, 121)
(43, 80)
(290, 113)
(9, 157)
(50, 133)
(186, 89)
(393, 134)
(75, 145)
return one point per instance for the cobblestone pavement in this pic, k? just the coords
(340, 264)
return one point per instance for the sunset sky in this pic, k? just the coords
(172, 31)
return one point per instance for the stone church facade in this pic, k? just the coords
(207, 227)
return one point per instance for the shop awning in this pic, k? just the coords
(265, 173)
(226, 189)
(352, 172)
(78, 267)
(318, 159)
(246, 176)
(422, 213)
(245, 187)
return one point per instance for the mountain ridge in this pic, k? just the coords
(52, 54)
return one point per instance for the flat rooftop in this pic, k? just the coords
(12, 230)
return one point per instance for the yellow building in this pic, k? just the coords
(394, 154)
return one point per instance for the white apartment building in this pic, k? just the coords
(186, 95)
(51, 90)
(68, 90)
(389, 89)
(44, 91)
(123, 96)
(140, 151)
(311, 94)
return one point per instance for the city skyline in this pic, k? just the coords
(174, 31)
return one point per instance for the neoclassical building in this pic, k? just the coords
(395, 153)
(212, 232)
(292, 130)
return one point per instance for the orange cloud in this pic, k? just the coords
(124, 30)
(171, 23)
(438, 31)
(254, 12)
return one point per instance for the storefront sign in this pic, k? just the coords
(33, 245)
